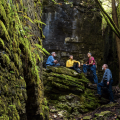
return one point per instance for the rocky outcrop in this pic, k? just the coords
(105, 112)
(69, 93)
(73, 27)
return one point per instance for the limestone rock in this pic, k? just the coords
(68, 92)
(109, 105)
(63, 70)
(60, 114)
(55, 116)
(103, 113)
(67, 39)
(87, 117)
(53, 110)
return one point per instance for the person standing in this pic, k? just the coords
(107, 81)
(70, 64)
(91, 65)
(51, 61)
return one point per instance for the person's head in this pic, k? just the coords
(89, 55)
(71, 57)
(53, 54)
(104, 67)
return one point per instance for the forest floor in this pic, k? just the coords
(104, 112)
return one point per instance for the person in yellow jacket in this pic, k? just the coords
(71, 64)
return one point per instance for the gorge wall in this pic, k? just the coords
(73, 28)
(21, 85)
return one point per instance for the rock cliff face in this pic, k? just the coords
(73, 28)
(21, 86)
(69, 93)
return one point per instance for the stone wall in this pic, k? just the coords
(73, 29)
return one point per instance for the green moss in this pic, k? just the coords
(45, 102)
(63, 70)
(4, 30)
(18, 59)
(6, 59)
(1, 43)
(59, 86)
(66, 82)
(4, 117)
(64, 107)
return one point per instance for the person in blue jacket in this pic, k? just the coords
(51, 61)
(107, 81)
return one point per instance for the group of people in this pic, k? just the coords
(107, 79)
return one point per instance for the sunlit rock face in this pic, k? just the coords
(73, 29)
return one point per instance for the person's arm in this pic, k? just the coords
(67, 64)
(108, 76)
(91, 63)
(77, 62)
(53, 60)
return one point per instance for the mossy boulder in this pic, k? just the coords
(87, 117)
(63, 70)
(103, 113)
(68, 91)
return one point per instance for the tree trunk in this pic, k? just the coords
(115, 18)
(108, 19)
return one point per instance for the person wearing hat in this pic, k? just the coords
(92, 66)
(51, 61)
(73, 64)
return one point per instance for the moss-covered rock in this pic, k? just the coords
(109, 105)
(63, 70)
(103, 113)
(21, 86)
(87, 117)
(66, 91)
